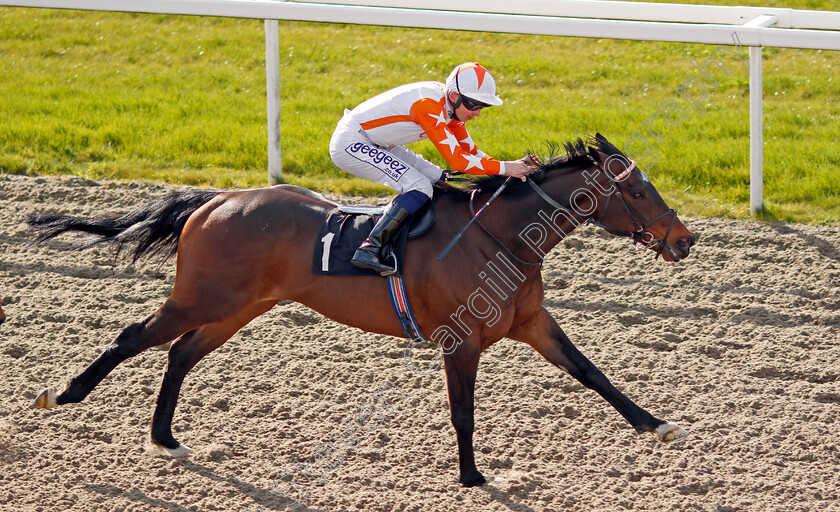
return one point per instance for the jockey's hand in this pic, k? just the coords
(532, 161)
(520, 168)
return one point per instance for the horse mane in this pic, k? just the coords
(576, 155)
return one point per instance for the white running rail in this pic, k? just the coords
(755, 26)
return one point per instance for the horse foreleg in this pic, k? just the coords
(157, 329)
(461, 368)
(184, 354)
(547, 338)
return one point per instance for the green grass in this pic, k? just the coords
(182, 99)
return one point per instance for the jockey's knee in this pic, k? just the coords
(413, 200)
(419, 184)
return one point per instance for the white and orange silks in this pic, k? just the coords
(369, 141)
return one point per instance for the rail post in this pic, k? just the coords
(757, 117)
(272, 93)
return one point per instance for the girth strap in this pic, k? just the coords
(399, 299)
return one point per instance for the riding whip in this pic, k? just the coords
(461, 233)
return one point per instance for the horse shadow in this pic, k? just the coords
(264, 500)
(112, 491)
(505, 498)
(824, 247)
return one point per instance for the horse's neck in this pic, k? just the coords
(531, 226)
(548, 227)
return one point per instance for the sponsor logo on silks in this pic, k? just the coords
(378, 158)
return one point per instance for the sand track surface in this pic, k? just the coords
(739, 344)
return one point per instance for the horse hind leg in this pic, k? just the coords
(184, 354)
(157, 329)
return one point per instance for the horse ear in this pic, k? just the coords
(594, 154)
(605, 147)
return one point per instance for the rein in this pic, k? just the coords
(499, 242)
(474, 219)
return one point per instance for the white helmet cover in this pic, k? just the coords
(472, 80)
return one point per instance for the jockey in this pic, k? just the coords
(369, 142)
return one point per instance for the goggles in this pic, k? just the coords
(471, 104)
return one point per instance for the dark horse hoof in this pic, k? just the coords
(472, 479)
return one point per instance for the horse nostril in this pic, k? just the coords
(685, 243)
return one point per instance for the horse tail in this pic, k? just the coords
(155, 226)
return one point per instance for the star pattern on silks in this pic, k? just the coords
(468, 141)
(440, 117)
(450, 141)
(474, 161)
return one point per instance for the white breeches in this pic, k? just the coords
(397, 166)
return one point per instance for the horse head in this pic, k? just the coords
(611, 192)
(631, 206)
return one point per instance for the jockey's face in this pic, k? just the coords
(462, 112)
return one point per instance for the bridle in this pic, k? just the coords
(642, 238)
(641, 234)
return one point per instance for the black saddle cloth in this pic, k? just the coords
(347, 227)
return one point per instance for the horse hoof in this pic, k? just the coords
(670, 432)
(178, 452)
(473, 479)
(47, 399)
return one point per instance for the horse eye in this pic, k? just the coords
(638, 195)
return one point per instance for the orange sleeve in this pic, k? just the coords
(452, 140)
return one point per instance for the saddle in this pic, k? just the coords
(347, 227)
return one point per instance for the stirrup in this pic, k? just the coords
(395, 271)
(375, 263)
(369, 260)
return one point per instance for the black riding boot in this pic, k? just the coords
(369, 254)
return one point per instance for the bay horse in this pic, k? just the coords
(240, 252)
